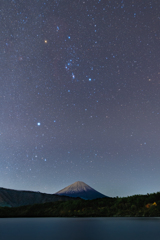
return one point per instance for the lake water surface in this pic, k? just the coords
(80, 228)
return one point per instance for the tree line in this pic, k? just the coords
(133, 206)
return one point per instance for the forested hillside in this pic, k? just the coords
(133, 206)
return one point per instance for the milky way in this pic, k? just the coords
(80, 95)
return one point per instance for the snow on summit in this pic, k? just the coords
(75, 187)
(80, 189)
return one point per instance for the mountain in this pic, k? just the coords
(15, 198)
(80, 189)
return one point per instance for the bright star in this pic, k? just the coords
(73, 76)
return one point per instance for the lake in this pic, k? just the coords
(80, 228)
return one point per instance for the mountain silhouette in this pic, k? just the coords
(16, 198)
(82, 190)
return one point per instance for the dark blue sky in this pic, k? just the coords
(80, 95)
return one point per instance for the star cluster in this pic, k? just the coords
(80, 95)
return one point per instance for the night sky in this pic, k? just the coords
(80, 95)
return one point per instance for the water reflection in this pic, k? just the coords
(80, 228)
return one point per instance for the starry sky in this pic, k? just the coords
(80, 95)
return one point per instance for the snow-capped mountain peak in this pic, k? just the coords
(80, 189)
(75, 187)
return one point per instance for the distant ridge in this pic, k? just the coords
(82, 190)
(17, 198)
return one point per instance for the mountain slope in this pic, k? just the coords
(80, 189)
(15, 198)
